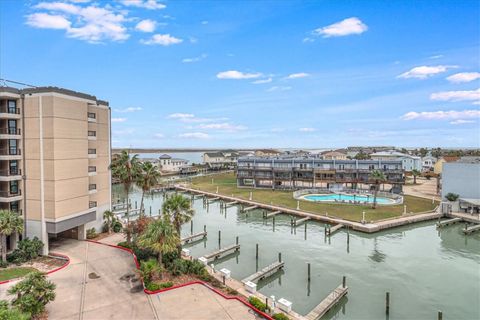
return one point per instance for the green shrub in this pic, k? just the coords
(91, 233)
(152, 286)
(452, 196)
(148, 269)
(117, 226)
(280, 316)
(178, 267)
(257, 303)
(195, 267)
(167, 284)
(124, 244)
(3, 264)
(142, 254)
(26, 251)
(231, 291)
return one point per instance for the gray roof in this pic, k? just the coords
(164, 156)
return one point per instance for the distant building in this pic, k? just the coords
(428, 163)
(169, 164)
(220, 159)
(409, 163)
(438, 166)
(266, 153)
(334, 155)
(281, 173)
(463, 178)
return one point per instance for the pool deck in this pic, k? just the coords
(358, 226)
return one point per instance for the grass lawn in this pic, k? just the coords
(12, 273)
(227, 185)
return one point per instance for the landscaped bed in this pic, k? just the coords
(227, 185)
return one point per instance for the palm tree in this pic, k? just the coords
(179, 209)
(147, 180)
(10, 223)
(161, 237)
(127, 170)
(379, 177)
(109, 218)
(415, 173)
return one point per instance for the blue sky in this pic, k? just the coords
(259, 73)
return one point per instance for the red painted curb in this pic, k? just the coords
(49, 272)
(245, 302)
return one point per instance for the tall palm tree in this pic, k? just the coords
(147, 180)
(179, 209)
(126, 169)
(109, 218)
(161, 237)
(415, 173)
(10, 223)
(379, 177)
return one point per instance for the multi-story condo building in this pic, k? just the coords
(278, 173)
(54, 158)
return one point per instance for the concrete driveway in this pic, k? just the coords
(94, 285)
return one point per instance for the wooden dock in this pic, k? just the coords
(448, 222)
(272, 214)
(471, 229)
(124, 212)
(229, 204)
(265, 272)
(213, 199)
(194, 237)
(332, 299)
(250, 208)
(217, 254)
(334, 229)
(299, 222)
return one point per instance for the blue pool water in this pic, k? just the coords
(346, 197)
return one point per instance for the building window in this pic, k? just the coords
(12, 126)
(14, 206)
(92, 169)
(12, 143)
(92, 186)
(92, 115)
(13, 187)
(92, 204)
(92, 133)
(92, 151)
(12, 106)
(13, 167)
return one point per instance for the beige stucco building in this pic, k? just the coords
(54, 158)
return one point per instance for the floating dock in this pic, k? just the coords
(217, 254)
(250, 208)
(193, 237)
(272, 214)
(331, 300)
(265, 272)
(471, 229)
(448, 222)
(333, 229)
(229, 204)
(298, 222)
(213, 199)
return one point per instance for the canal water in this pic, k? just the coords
(424, 269)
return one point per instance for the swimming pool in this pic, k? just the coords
(340, 197)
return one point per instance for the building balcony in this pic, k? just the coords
(10, 154)
(7, 196)
(10, 133)
(10, 113)
(10, 175)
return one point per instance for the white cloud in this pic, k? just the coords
(146, 25)
(222, 126)
(194, 135)
(204, 22)
(307, 129)
(145, 4)
(236, 75)
(438, 56)
(159, 135)
(162, 39)
(129, 109)
(91, 23)
(308, 39)
(119, 119)
(47, 21)
(278, 88)
(442, 115)
(424, 72)
(181, 116)
(345, 27)
(467, 95)
(195, 59)
(297, 75)
(464, 77)
(460, 121)
(124, 132)
(268, 80)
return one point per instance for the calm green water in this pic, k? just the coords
(423, 269)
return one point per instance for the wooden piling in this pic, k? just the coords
(204, 228)
(219, 237)
(256, 251)
(279, 257)
(387, 303)
(191, 226)
(344, 281)
(440, 315)
(236, 240)
(308, 268)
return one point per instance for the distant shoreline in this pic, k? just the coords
(174, 150)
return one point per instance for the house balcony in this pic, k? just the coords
(10, 133)
(7, 196)
(10, 175)
(10, 154)
(10, 113)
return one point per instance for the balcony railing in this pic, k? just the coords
(10, 152)
(8, 194)
(10, 172)
(4, 109)
(10, 131)
(92, 204)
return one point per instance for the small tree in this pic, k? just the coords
(161, 237)
(415, 174)
(452, 196)
(10, 223)
(33, 293)
(109, 218)
(378, 178)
